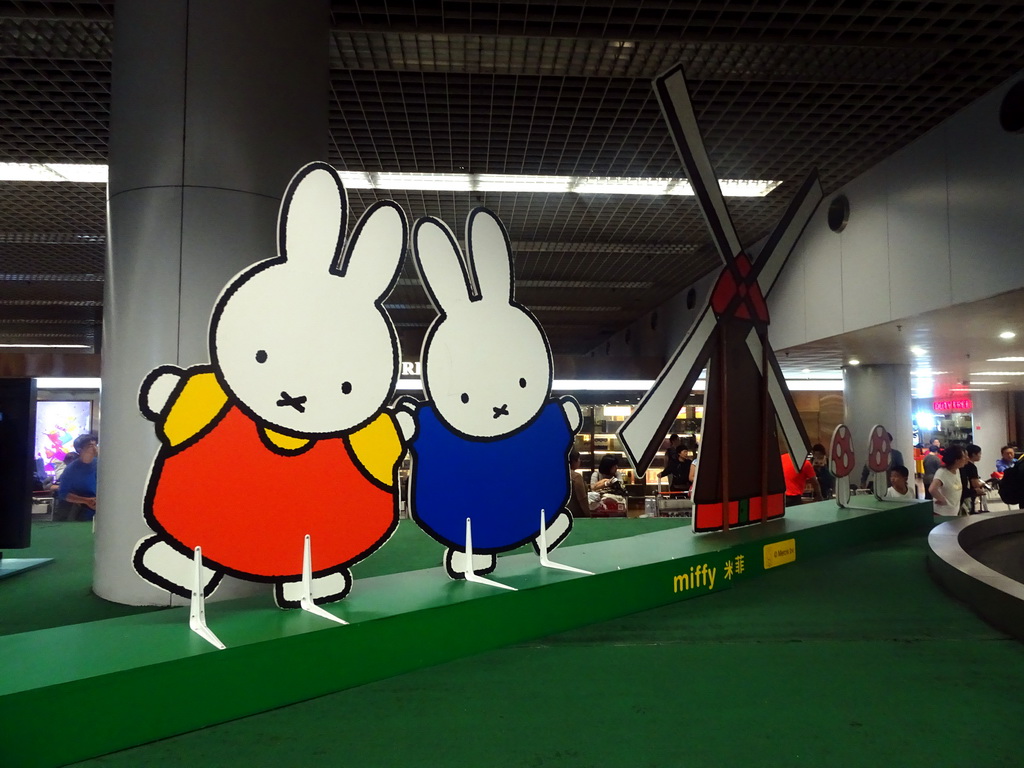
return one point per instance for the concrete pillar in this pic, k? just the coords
(214, 106)
(990, 417)
(879, 394)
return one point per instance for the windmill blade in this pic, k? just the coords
(674, 99)
(785, 409)
(642, 433)
(780, 245)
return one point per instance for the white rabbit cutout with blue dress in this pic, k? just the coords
(487, 378)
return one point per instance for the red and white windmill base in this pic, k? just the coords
(746, 404)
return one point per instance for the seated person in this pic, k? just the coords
(899, 487)
(606, 482)
(76, 499)
(578, 504)
(1005, 460)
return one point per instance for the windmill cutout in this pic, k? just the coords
(746, 403)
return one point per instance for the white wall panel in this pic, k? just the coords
(865, 254)
(787, 305)
(986, 202)
(919, 267)
(823, 275)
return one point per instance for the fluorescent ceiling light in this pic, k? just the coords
(442, 182)
(643, 385)
(1006, 360)
(806, 375)
(1007, 335)
(582, 185)
(45, 346)
(53, 172)
(626, 385)
(997, 373)
(988, 383)
(80, 383)
(854, 361)
(918, 351)
(814, 385)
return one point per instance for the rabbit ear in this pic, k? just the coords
(312, 222)
(490, 256)
(441, 265)
(376, 250)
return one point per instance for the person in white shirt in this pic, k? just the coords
(946, 486)
(899, 488)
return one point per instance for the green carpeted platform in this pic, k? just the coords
(856, 660)
(402, 622)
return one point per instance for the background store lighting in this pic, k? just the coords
(76, 383)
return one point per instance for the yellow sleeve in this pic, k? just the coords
(377, 448)
(198, 403)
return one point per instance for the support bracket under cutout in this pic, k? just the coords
(197, 604)
(547, 562)
(306, 601)
(470, 575)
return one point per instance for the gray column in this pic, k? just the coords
(879, 394)
(991, 421)
(214, 106)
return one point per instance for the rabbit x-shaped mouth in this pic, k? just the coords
(295, 402)
(502, 411)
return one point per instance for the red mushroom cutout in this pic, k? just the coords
(879, 456)
(842, 461)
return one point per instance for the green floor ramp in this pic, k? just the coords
(147, 676)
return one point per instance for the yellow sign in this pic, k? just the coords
(779, 553)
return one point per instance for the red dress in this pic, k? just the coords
(249, 508)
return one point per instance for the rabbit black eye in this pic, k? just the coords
(522, 383)
(346, 387)
(261, 356)
(465, 397)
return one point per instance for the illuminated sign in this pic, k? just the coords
(949, 406)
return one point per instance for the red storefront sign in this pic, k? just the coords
(960, 405)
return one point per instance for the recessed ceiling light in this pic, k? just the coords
(1006, 360)
(1007, 335)
(918, 351)
(854, 361)
(805, 370)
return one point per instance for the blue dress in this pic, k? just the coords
(450, 480)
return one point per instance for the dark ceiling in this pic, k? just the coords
(558, 88)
